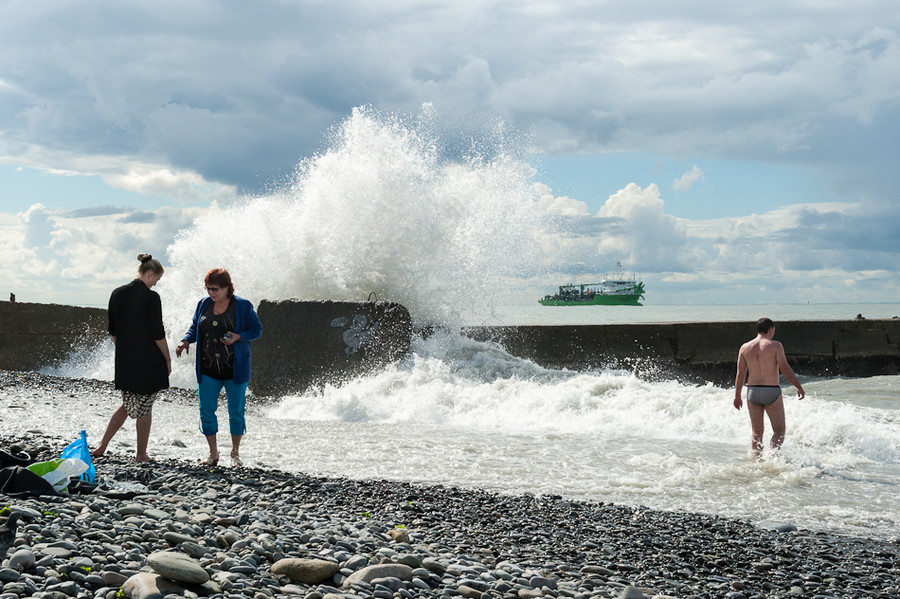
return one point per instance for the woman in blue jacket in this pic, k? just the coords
(223, 327)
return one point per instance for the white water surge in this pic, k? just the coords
(384, 210)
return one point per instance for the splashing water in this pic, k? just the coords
(384, 209)
(380, 211)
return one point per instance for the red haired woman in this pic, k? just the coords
(224, 324)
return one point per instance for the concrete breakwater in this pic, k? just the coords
(33, 336)
(704, 351)
(307, 343)
(304, 343)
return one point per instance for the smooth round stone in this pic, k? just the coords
(113, 579)
(147, 585)
(57, 552)
(22, 559)
(632, 593)
(370, 573)
(539, 582)
(408, 559)
(177, 567)
(132, 509)
(356, 562)
(468, 592)
(13, 590)
(193, 549)
(474, 584)
(84, 563)
(433, 565)
(305, 570)
(155, 514)
(9, 575)
(69, 588)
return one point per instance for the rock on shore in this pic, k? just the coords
(170, 528)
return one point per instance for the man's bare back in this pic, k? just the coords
(762, 357)
(760, 361)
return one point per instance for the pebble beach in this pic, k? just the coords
(174, 528)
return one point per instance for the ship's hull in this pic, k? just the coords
(597, 300)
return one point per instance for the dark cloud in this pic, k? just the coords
(239, 93)
(94, 211)
(139, 217)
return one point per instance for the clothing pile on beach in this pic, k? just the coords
(73, 472)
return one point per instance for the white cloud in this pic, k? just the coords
(687, 180)
(126, 173)
(644, 235)
(56, 257)
(39, 227)
(802, 252)
(558, 205)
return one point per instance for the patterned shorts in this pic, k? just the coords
(136, 405)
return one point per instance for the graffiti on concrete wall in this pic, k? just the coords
(358, 332)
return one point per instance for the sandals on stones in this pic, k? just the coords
(236, 461)
(212, 460)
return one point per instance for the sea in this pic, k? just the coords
(384, 210)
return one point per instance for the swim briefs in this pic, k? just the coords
(763, 395)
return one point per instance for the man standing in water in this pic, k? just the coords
(759, 362)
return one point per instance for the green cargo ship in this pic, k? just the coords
(617, 291)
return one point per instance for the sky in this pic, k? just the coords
(727, 152)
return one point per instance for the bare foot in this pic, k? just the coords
(142, 458)
(98, 452)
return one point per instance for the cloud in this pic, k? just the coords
(39, 227)
(687, 180)
(77, 257)
(94, 211)
(558, 205)
(138, 217)
(791, 253)
(236, 95)
(644, 235)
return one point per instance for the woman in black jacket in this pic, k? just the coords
(143, 364)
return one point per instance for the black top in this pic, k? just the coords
(217, 358)
(135, 318)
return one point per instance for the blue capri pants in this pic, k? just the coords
(236, 393)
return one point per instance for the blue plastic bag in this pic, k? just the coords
(79, 449)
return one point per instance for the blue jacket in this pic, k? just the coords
(248, 327)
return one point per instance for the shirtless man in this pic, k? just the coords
(759, 363)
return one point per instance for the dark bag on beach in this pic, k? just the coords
(16, 479)
(8, 459)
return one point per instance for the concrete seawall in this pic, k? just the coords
(309, 343)
(704, 351)
(34, 336)
(306, 343)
